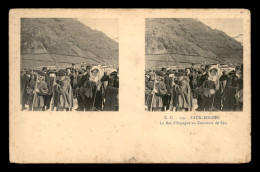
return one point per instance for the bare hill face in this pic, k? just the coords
(64, 41)
(179, 41)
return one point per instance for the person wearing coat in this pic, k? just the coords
(82, 81)
(63, 92)
(230, 100)
(93, 90)
(111, 92)
(47, 97)
(79, 95)
(210, 92)
(200, 80)
(166, 97)
(172, 78)
(228, 95)
(25, 79)
(183, 99)
(36, 99)
(155, 89)
(237, 82)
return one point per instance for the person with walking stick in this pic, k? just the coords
(38, 90)
(155, 89)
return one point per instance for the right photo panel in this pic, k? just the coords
(194, 64)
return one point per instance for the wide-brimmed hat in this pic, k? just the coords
(113, 73)
(159, 73)
(179, 73)
(61, 72)
(88, 67)
(40, 72)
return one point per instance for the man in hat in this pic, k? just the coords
(166, 97)
(25, 79)
(236, 78)
(63, 91)
(82, 80)
(192, 67)
(111, 91)
(147, 76)
(200, 80)
(183, 99)
(80, 90)
(237, 83)
(191, 74)
(72, 68)
(155, 90)
(88, 68)
(47, 97)
(38, 89)
(147, 79)
(52, 78)
(72, 77)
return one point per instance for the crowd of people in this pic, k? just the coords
(176, 90)
(54, 90)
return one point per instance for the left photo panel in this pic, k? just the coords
(69, 64)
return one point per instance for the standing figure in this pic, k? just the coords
(155, 90)
(79, 91)
(210, 92)
(172, 93)
(200, 80)
(72, 68)
(39, 89)
(183, 99)
(93, 90)
(111, 92)
(166, 97)
(47, 97)
(228, 94)
(25, 79)
(63, 92)
(237, 83)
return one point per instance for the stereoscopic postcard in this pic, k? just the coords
(177, 98)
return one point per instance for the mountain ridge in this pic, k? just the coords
(188, 41)
(62, 41)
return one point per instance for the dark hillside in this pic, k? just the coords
(49, 41)
(178, 41)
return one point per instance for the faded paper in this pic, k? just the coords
(131, 135)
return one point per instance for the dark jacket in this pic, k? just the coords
(24, 95)
(167, 84)
(48, 82)
(156, 100)
(111, 92)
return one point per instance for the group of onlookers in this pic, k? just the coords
(92, 87)
(177, 89)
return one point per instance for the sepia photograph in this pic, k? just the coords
(69, 64)
(190, 66)
(194, 64)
